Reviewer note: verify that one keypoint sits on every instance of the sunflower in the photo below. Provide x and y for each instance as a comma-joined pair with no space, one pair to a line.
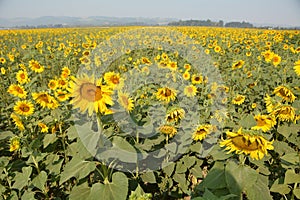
45,100
90,95
172,66
175,114
239,99
217,49
284,93
53,84
297,67
44,127
201,132
276,60
237,65
17,90
17,122
3,71
24,108
65,72
112,79
22,77
36,66
2,60
270,103
14,144
241,142
146,61
284,113
268,55
168,130
187,67
62,83
190,91
264,122
197,79
186,75
166,94
125,101
62,95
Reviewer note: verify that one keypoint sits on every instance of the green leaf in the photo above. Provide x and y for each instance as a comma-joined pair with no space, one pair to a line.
292,158
77,149
291,177
54,163
28,195
259,190
6,134
172,147
218,153
247,122
215,179
117,189
21,179
40,180
280,188
238,177
49,139
77,168
296,192
72,133
148,177
169,169
80,192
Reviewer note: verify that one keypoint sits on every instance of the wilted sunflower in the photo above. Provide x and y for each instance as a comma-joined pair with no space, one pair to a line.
125,101
264,122
284,93
168,130
45,100
36,66
24,108
17,90
90,95
201,132
297,67
22,77
17,122
175,114
284,113
166,94
254,145
270,103
14,144
239,99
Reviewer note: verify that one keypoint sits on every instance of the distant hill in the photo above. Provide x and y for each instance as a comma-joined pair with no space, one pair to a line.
78,21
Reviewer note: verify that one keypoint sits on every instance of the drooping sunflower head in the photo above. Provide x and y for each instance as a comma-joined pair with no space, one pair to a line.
166,94
284,113
45,100
44,127
168,130
90,95
284,93
264,122
255,146
18,122
24,108
174,114
201,132
239,99
14,144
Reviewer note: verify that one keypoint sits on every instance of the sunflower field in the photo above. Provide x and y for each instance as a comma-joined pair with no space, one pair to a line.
146,113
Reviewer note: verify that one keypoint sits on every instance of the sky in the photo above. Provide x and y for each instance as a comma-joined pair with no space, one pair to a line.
278,12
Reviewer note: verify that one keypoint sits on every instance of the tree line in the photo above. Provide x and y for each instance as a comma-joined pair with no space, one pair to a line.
208,22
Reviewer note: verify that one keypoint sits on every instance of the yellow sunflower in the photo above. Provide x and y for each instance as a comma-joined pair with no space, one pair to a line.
241,142
17,90
172,66
3,71
297,67
24,108
270,103
113,79
125,101
268,55
45,100
2,60
17,122
284,113
190,91
14,144
276,60
237,65
197,79
22,77
145,60
186,75
239,99
175,114
166,94
187,67
90,95
264,122
201,132
62,95
44,127
53,84
168,130
36,66
284,93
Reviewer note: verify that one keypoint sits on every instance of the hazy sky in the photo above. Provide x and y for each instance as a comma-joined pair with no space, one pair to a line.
280,12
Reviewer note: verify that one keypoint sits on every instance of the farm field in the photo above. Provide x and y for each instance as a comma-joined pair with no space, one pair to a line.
150,113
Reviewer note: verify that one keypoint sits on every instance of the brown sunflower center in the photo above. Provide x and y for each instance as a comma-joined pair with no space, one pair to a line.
124,100
24,108
19,90
168,92
90,92
115,79
44,98
243,144
197,78
260,122
22,76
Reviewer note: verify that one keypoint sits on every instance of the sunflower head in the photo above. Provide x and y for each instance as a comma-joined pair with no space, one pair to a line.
174,114
239,99
14,144
251,144
24,108
284,93
168,130
125,101
202,131
166,94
